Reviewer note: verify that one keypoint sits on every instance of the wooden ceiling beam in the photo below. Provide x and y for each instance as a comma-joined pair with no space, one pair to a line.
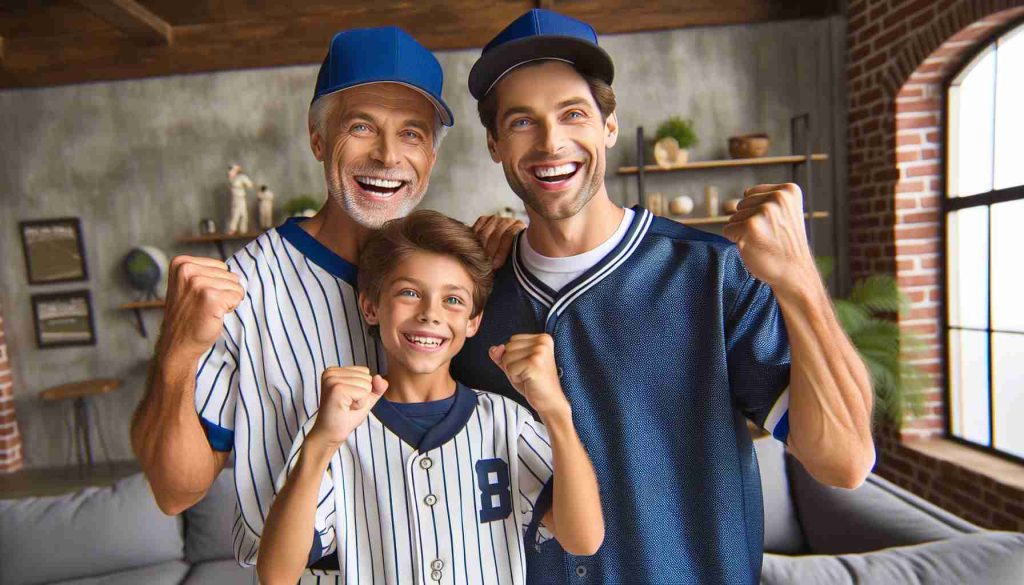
133,19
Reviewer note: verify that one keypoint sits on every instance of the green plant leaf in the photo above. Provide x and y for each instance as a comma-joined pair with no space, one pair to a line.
878,294
678,128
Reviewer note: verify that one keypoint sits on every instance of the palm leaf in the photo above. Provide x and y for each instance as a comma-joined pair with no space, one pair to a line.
878,294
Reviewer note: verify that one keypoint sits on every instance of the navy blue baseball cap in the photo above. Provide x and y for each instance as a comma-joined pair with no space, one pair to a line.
540,34
384,54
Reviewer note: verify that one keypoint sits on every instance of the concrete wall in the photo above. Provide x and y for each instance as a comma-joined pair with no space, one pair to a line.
140,162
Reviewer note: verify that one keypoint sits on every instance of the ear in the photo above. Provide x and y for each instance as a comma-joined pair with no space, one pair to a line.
611,130
492,147
474,325
316,142
369,309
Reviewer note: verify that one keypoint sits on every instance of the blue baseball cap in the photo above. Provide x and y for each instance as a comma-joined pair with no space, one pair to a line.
384,54
540,34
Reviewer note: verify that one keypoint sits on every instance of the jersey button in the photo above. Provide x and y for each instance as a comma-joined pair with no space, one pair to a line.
437,565
430,500
426,463
560,372
435,575
581,571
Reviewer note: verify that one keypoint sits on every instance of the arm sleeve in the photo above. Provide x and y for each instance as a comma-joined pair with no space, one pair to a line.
217,385
324,541
758,354
536,477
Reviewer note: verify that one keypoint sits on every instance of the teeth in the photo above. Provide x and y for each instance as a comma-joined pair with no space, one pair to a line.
425,341
374,181
544,172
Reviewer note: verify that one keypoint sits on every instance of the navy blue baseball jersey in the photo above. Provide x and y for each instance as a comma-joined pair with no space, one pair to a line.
665,348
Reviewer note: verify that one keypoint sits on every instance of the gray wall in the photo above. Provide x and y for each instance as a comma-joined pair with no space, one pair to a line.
140,162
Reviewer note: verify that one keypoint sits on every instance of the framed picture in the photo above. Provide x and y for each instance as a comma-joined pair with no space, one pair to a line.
63,319
53,250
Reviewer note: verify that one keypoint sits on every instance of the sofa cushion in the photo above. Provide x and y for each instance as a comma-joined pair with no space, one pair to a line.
208,524
874,516
782,532
94,531
169,573
220,573
993,558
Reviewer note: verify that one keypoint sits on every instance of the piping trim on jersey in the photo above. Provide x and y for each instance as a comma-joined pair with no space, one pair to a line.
558,301
311,248
441,433
777,421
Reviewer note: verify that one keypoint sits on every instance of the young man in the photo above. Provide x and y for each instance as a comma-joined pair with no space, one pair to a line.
243,343
413,477
667,339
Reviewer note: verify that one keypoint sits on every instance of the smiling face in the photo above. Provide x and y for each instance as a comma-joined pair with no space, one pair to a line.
424,311
376,143
551,142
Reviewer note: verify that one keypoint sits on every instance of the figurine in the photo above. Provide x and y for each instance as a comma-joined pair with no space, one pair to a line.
239,220
265,199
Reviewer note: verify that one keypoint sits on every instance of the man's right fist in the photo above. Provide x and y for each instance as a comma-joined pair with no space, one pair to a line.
346,397
200,291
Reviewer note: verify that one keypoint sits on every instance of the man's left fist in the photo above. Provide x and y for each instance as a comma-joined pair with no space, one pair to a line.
768,229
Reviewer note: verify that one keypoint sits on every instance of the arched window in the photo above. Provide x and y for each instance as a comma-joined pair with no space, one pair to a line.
984,212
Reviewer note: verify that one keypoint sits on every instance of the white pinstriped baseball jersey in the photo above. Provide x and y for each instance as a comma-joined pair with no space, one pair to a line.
260,382
457,503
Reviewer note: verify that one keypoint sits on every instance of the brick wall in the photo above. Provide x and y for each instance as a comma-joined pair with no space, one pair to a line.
901,53
10,439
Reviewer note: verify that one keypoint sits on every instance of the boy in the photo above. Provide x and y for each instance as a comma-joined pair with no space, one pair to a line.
434,483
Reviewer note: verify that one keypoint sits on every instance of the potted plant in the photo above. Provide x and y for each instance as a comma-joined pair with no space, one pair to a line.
302,206
672,142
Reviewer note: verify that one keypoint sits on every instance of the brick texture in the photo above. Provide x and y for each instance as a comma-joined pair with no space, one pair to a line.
901,55
10,438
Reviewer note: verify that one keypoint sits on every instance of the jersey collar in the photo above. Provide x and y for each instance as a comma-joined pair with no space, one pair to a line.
441,433
318,253
557,301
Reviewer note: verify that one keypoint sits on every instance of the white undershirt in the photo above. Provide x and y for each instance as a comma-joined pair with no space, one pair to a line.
558,272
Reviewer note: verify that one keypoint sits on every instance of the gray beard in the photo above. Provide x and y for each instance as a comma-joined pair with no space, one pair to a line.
367,215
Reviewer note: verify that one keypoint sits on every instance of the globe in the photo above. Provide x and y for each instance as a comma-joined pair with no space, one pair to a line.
146,270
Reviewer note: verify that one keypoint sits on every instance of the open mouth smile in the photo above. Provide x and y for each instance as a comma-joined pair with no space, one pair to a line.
377,187
424,342
555,177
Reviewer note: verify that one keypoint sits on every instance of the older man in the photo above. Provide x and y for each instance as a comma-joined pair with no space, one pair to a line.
667,339
244,343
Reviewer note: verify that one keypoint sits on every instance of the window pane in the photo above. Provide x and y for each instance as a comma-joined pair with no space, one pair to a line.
971,111
968,383
967,255
1008,379
1009,114
1007,273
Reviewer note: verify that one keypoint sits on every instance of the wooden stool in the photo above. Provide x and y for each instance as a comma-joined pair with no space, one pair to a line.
78,392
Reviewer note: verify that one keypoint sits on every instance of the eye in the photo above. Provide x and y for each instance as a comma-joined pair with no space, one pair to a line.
411,135
520,123
454,300
575,115
408,292
359,128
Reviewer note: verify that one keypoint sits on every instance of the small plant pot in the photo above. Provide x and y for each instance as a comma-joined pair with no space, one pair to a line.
748,146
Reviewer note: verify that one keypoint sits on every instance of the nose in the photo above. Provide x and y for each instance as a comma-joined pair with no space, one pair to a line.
385,150
553,138
428,312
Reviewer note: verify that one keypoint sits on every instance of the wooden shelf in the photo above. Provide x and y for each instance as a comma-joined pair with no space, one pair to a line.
721,219
214,238
158,304
720,164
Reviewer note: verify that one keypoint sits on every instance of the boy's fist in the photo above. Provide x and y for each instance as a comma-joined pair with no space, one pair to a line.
346,397
529,362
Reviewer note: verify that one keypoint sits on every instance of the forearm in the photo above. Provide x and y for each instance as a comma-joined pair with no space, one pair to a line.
168,438
575,518
288,531
830,398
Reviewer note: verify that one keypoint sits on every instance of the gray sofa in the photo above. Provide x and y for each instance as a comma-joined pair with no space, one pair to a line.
117,536
877,533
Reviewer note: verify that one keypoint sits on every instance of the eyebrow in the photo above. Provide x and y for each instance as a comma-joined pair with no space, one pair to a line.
413,281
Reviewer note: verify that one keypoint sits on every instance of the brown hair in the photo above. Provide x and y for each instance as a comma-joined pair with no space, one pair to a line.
424,231
603,94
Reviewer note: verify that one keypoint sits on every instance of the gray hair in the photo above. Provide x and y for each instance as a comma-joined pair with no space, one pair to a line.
318,111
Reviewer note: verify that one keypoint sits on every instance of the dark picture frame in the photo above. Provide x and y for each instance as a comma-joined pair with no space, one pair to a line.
63,319
53,250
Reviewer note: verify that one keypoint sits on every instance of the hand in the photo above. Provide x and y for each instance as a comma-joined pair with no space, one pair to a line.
768,229
346,397
200,291
496,235
528,360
